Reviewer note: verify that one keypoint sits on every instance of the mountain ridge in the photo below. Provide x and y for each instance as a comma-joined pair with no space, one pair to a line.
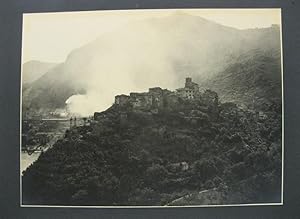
34,69
166,49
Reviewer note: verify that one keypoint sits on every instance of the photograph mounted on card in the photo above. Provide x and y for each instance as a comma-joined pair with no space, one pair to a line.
152,108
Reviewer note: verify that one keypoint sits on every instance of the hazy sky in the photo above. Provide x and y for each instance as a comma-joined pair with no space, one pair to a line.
50,37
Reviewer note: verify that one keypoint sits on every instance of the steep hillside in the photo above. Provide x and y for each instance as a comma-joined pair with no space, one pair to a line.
162,52
254,79
164,157
33,70
50,91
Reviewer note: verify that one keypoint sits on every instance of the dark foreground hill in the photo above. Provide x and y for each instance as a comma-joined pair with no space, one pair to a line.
164,157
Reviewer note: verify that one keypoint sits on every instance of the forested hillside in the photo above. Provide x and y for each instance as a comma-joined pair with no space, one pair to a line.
166,157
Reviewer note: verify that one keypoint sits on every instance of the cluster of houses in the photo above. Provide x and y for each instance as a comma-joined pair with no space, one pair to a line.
157,97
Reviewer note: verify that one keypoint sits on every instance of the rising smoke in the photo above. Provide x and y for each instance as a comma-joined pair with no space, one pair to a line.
131,60
149,53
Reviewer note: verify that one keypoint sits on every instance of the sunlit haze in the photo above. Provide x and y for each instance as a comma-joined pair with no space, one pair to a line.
50,37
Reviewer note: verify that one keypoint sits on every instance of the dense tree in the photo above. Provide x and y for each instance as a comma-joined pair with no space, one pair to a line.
152,159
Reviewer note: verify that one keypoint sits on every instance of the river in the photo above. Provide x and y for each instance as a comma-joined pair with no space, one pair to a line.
55,128
27,160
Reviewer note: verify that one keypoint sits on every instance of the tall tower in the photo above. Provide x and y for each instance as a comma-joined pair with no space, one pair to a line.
188,82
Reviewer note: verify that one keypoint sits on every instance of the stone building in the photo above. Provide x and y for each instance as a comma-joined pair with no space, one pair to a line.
157,98
191,85
141,100
121,99
180,166
190,90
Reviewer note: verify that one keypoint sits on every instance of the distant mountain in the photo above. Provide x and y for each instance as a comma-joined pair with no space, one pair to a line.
50,91
163,51
254,79
32,70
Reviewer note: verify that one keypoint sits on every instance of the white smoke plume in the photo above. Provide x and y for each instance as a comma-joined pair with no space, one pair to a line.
131,60
149,53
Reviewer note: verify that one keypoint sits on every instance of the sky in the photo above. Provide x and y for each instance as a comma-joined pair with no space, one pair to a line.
50,37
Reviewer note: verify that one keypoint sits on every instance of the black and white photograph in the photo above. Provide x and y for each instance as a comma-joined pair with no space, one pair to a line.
152,108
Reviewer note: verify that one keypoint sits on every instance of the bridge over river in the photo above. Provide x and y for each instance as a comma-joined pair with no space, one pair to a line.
40,134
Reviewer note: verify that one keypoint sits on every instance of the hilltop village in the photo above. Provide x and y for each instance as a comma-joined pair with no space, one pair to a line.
162,147
190,101
157,98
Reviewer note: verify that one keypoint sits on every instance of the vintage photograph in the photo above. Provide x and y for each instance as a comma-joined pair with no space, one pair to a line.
152,108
